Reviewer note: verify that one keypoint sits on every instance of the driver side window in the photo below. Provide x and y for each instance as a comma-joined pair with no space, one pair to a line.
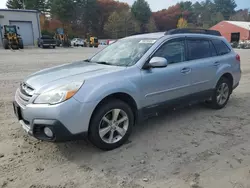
173,51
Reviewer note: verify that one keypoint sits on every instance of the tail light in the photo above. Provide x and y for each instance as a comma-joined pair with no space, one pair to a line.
238,57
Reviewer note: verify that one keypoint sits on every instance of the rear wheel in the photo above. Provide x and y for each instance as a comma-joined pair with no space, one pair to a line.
111,125
20,43
221,94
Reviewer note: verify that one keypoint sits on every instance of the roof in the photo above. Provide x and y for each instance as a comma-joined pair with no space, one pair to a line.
18,10
245,25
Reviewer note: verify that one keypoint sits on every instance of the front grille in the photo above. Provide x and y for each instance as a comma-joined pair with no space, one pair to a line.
24,94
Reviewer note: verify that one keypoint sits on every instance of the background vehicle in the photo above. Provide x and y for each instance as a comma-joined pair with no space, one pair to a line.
91,41
11,39
46,41
77,42
132,79
62,37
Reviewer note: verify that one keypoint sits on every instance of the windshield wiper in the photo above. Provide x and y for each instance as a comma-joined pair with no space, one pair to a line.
104,63
87,60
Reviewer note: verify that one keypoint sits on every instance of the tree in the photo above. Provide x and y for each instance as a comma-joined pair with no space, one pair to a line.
62,9
182,23
226,7
167,19
40,5
121,24
151,26
15,4
241,15
106,8
142,13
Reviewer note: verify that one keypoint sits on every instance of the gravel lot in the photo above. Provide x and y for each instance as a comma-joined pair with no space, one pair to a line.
191,147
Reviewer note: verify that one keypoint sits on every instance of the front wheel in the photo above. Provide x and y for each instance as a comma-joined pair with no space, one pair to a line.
111,125
221,94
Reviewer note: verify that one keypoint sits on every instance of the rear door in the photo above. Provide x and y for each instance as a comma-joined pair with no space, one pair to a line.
204,63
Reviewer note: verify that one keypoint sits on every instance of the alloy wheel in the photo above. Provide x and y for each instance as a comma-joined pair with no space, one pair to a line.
222,93
113,126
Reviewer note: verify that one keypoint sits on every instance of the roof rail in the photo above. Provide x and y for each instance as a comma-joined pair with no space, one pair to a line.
194,30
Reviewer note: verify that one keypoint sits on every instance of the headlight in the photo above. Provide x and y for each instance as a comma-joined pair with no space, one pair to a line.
59,94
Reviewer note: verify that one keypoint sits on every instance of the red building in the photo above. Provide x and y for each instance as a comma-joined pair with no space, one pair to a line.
233,30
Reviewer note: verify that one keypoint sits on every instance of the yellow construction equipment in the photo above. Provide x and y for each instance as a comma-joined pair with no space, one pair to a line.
62,38
91,41
11,39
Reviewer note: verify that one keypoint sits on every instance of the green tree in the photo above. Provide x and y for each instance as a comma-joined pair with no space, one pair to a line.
121,24
62,9
85,16
142,13
112,27
14,4
40,5
226,7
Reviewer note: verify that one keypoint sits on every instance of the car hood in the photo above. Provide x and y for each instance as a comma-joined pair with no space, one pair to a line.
77,71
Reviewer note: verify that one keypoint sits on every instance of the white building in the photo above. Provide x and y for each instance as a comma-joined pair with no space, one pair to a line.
28,22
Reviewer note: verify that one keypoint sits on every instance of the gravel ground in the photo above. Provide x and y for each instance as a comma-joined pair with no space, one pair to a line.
191,147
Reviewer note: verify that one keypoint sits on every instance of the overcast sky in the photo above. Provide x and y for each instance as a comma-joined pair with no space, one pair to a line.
161,4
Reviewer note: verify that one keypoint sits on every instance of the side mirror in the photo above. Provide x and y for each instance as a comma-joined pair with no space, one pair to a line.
18,27
158,62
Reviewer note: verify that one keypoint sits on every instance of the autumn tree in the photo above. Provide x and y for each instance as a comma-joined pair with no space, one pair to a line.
167,19
182,23
142,13
106,8
151,26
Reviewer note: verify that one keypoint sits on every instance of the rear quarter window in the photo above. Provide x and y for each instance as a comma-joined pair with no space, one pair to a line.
221,47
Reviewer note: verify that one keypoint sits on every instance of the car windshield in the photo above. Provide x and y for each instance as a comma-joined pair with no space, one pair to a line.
124,52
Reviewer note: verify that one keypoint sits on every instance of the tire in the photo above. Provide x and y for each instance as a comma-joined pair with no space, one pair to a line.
20,44
108,110
6,44
224,86
54,47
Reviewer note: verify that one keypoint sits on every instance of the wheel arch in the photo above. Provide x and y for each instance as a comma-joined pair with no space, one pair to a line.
228,76
125,97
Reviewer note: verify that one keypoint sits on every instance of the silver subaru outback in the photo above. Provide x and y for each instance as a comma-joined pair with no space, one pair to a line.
104,96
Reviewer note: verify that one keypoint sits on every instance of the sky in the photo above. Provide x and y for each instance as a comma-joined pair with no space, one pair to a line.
161,4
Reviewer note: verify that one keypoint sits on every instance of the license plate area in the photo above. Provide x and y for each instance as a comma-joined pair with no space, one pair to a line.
17,111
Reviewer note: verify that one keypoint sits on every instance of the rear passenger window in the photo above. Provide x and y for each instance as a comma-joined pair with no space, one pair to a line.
221,47
198,49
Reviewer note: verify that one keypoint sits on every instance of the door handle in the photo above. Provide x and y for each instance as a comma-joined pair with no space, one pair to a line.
185,70
216,64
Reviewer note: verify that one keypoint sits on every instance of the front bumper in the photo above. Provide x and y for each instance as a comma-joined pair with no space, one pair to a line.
68,120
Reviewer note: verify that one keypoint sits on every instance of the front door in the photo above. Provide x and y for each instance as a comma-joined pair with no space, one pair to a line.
164,84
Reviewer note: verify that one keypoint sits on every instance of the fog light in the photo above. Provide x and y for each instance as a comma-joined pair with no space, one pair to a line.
48,132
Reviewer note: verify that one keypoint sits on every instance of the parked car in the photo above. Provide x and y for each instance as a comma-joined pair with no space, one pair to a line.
104,96
77,42
46,41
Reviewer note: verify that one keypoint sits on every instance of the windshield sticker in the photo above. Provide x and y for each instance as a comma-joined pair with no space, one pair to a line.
147,41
